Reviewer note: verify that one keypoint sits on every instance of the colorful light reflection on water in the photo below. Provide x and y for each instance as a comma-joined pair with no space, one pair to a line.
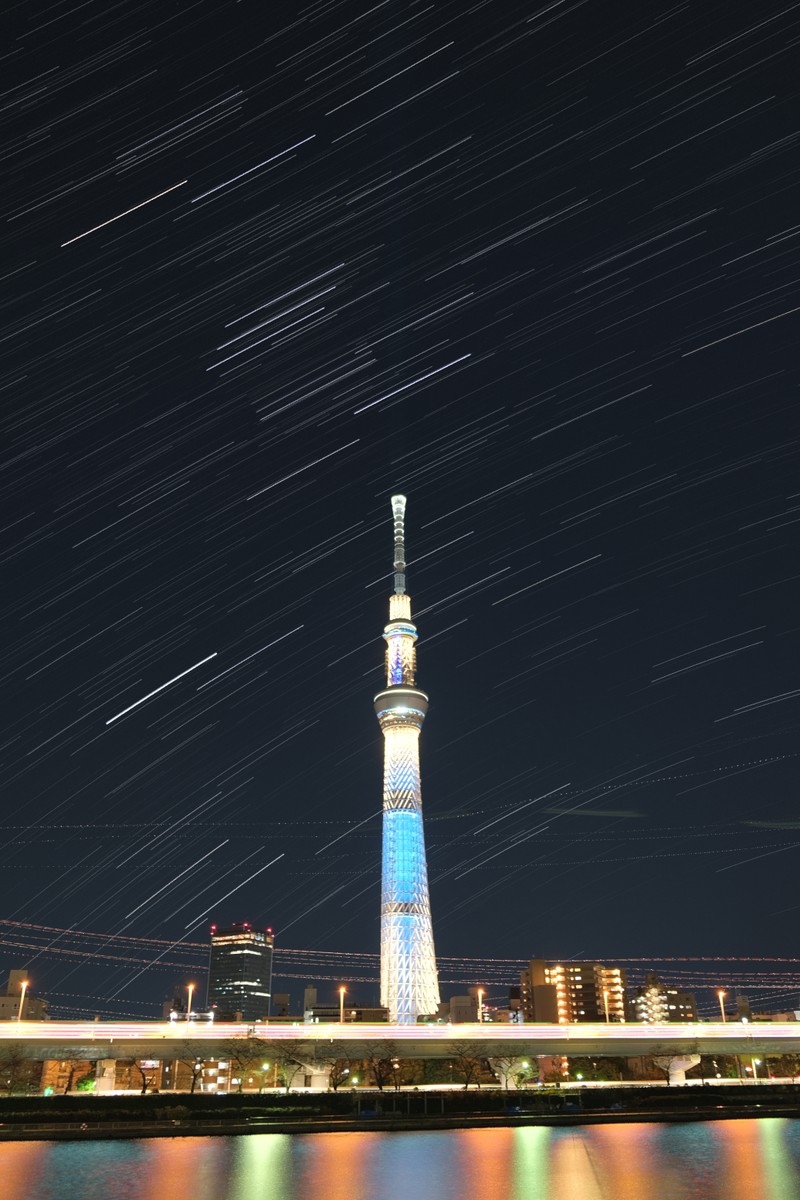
721,1160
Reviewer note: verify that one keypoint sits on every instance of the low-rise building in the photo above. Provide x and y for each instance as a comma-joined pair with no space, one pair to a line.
351,1014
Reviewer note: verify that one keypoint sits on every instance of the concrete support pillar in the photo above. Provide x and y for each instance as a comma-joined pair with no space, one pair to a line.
105,1074
318,1073
508,1071
677,1065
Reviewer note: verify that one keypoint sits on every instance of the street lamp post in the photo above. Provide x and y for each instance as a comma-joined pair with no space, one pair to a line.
342,991
23,988
190,990
480,1005
605,1005
721,997
755,1062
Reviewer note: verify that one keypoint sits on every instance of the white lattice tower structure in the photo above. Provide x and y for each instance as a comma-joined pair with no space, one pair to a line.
409,984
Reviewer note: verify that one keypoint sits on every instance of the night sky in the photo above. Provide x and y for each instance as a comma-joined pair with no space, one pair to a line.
535,267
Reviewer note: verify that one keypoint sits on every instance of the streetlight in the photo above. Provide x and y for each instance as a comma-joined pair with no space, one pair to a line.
721,997
480,1005
190,990
605,1005
23,987
342,991
756,1063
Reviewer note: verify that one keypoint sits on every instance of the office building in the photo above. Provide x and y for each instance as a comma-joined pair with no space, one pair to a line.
240,972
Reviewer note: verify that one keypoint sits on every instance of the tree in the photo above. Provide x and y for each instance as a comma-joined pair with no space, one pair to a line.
379,1060
401,1073
143,1077
195,1068
244,1052
77,1071
186,1056
465,1065
600,1069
290,1059
16,1069
289,1056
427,1070
720,1066
146,1075
784,1065
339,1069
509,1069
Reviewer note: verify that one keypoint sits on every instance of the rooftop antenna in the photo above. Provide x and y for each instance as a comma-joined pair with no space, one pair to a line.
399,511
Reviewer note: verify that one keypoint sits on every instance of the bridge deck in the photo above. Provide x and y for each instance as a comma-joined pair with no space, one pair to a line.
67,1039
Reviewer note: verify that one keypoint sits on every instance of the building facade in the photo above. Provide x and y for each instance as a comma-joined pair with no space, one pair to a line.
567,992
347,1013
656,1004
16,1001
350,1014
240,972
409,983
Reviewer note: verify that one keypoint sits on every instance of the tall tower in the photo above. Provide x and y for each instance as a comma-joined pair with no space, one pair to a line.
409,985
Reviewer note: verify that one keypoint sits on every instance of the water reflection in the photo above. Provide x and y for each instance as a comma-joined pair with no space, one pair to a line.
780,1169
260,1166
606,1164
723,1160
532,1173
23,1163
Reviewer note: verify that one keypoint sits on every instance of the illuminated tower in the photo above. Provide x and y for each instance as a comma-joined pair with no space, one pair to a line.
409,985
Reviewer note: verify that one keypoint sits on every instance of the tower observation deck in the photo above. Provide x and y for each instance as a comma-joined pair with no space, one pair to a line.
409,984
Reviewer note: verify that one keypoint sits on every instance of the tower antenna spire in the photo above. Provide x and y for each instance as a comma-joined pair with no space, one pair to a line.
399,512
409,983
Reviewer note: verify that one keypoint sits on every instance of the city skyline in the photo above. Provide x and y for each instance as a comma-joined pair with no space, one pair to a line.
266,269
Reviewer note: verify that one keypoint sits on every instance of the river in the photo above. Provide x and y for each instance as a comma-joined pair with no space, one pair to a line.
718,1160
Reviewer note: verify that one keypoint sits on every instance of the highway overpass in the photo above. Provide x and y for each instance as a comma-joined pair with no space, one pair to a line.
168,1040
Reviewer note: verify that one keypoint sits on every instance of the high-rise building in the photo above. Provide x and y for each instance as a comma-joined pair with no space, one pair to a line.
240,972
16,1001
567,992
538,998
656,1004
409,984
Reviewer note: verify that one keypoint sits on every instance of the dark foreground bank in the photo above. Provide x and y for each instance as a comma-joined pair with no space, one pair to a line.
56,1118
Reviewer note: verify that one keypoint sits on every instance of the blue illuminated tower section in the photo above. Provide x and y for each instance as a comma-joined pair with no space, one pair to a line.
409,984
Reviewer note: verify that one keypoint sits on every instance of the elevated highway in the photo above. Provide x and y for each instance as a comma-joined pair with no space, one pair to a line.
167,1040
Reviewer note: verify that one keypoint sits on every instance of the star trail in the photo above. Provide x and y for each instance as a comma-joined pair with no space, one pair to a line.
533,266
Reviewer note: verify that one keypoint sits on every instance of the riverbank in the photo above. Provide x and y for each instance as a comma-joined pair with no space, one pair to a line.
67,1118
94,1131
